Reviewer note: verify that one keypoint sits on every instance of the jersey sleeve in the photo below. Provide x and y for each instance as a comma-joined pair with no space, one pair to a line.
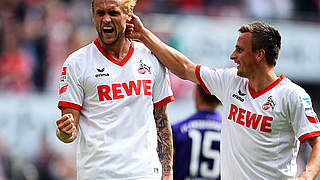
162,93
70,90
215,81
303,118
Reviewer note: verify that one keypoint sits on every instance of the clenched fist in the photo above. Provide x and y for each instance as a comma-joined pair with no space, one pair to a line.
67,130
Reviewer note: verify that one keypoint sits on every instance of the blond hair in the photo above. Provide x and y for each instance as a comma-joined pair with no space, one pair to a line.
128,5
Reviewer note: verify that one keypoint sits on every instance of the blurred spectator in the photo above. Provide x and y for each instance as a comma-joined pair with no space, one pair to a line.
5,161
307,10
181,88
192,6
44,161
34,41
35,34
270,8
16,63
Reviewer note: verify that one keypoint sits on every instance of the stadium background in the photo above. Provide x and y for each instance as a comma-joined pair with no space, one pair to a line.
37,35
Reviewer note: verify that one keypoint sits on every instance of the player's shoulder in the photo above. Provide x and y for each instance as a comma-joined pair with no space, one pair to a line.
233,78
194,117
146,55
290,88
229,72
141,49
139,46
178,126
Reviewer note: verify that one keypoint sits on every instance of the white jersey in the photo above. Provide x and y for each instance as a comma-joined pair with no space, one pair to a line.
117,132
261,131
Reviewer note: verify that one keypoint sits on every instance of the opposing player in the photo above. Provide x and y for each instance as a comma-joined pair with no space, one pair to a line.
113,96
265,116
196,141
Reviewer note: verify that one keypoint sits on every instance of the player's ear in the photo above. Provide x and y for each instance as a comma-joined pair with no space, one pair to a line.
260,55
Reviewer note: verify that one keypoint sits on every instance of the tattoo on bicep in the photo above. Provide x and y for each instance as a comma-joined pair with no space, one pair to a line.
165,147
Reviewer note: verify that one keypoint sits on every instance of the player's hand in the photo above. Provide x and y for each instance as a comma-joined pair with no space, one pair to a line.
135,28
66,128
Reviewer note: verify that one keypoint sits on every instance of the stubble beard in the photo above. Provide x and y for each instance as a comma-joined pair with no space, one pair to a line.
241,73
118,36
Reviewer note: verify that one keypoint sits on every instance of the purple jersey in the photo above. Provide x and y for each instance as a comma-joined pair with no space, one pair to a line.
196,142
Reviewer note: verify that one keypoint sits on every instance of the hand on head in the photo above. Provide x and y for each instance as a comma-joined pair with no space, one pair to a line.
135,28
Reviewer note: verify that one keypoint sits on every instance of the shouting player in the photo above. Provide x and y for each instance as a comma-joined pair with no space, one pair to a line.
265,116
113,96
196,141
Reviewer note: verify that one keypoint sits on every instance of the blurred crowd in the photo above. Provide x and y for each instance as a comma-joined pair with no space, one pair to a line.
37,36
45,165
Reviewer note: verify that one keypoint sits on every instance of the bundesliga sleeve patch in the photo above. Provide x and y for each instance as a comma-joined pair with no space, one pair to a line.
308,110
63,74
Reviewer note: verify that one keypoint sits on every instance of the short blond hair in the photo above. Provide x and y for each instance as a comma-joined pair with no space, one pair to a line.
128,5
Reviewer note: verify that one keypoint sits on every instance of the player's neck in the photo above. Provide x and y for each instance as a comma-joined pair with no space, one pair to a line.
205,107
262,79
118,50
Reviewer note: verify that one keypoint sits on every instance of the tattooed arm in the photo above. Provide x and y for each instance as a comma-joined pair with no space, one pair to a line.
165,147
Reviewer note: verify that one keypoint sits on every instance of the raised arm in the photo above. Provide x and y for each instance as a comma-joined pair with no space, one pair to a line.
175,61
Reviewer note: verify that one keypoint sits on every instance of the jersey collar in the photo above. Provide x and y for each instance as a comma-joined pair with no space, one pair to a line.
266,89
109,57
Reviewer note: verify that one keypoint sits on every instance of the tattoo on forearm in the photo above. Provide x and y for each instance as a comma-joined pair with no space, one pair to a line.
165,147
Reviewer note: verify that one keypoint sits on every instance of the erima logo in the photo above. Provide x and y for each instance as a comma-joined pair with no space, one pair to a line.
100,70
239,97
241,93
101,74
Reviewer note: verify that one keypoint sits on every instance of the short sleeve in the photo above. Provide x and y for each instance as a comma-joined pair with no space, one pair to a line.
70,90
162,93
303,118
215,81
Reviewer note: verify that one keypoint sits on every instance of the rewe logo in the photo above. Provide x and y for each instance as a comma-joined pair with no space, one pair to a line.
249,119
122,90
101,70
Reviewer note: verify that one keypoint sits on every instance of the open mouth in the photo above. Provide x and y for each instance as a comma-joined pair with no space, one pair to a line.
108,29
